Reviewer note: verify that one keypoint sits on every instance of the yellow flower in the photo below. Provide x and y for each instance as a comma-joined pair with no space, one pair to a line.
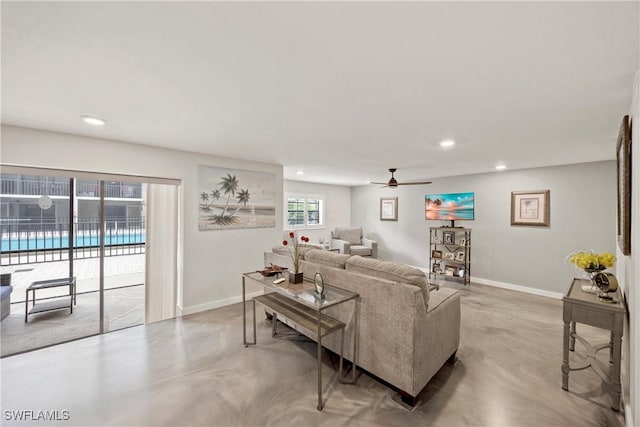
590,260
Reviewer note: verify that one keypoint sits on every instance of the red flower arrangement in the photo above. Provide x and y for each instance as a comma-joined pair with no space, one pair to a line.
295,255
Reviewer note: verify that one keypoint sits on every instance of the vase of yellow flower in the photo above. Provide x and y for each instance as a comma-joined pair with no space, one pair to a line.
592,264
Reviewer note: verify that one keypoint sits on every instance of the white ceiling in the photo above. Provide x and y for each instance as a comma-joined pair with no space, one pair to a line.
342,91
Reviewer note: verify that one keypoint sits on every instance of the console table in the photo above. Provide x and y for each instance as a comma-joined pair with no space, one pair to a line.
300,305
582,307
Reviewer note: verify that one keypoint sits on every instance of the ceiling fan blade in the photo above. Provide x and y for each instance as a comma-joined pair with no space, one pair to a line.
381,183
415,183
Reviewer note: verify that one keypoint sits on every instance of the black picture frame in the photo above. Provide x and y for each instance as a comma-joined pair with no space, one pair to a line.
449,237
623,165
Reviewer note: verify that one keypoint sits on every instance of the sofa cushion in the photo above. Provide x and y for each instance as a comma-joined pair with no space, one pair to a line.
360,250
5,291
390,271
351,235
288,250
331,259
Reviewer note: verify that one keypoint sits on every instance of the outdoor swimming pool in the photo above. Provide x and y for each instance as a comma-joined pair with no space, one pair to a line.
62,242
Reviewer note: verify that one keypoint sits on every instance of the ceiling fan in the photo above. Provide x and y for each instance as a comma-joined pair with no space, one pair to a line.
394,183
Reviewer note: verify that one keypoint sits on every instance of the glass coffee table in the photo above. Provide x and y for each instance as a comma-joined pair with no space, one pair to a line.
300,304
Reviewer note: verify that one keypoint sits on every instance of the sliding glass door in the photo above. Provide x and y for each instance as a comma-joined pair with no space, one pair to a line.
73,250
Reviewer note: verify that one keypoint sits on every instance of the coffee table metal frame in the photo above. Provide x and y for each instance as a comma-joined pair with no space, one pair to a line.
304,295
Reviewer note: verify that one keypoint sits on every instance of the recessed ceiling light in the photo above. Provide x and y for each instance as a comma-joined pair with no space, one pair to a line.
501,167
300,173
95,121
447,143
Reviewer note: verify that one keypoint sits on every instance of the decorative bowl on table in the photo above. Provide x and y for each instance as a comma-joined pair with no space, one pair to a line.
272,270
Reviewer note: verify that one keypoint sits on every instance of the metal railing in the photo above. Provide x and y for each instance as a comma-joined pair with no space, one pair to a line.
19,186
28,242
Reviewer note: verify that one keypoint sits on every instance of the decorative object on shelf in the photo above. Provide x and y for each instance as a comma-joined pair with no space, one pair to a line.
295,276
450,270
449,237
388,208
461,273
234,198
592,264
318,281
460,256
461,242
530,207
623,161
436,269
436,254
449,256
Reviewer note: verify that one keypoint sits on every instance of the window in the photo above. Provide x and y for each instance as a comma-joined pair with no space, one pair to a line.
305,211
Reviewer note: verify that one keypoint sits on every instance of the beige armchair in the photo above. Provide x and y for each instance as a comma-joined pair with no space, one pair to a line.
349,240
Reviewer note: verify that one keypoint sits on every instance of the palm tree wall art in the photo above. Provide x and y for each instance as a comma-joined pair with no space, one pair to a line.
235,199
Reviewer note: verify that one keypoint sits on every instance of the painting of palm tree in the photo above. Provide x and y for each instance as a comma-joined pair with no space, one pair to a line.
235,199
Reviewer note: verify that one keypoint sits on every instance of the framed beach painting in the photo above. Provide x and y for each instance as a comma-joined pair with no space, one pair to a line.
234,198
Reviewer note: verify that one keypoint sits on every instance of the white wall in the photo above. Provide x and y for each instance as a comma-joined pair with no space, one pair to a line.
627,272
337,208
583,217
213,260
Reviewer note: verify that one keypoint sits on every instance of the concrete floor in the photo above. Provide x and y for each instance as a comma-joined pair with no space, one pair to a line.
195,371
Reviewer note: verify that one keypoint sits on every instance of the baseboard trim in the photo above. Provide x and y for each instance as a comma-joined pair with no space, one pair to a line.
509,286
216,304
518,288
628,415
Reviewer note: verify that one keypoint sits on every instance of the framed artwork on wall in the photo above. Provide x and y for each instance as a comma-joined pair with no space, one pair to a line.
388,208
234,198
623,162
530,207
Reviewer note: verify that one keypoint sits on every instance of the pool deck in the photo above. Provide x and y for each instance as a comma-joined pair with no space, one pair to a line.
121,270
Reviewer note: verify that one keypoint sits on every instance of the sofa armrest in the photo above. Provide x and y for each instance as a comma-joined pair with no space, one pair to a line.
343,245
373,245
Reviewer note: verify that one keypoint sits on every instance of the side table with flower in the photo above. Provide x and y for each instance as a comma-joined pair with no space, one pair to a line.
296,276
593,264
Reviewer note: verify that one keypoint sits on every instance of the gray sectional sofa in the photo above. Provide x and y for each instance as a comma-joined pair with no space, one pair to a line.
405,331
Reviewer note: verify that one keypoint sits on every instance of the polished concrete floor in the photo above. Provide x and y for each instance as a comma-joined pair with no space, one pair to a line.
195,371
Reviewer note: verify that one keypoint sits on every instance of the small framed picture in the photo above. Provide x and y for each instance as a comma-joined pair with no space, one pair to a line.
530,207
460,256
388,208
449,237
436,269
461,242
450,270
449,255
436,254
